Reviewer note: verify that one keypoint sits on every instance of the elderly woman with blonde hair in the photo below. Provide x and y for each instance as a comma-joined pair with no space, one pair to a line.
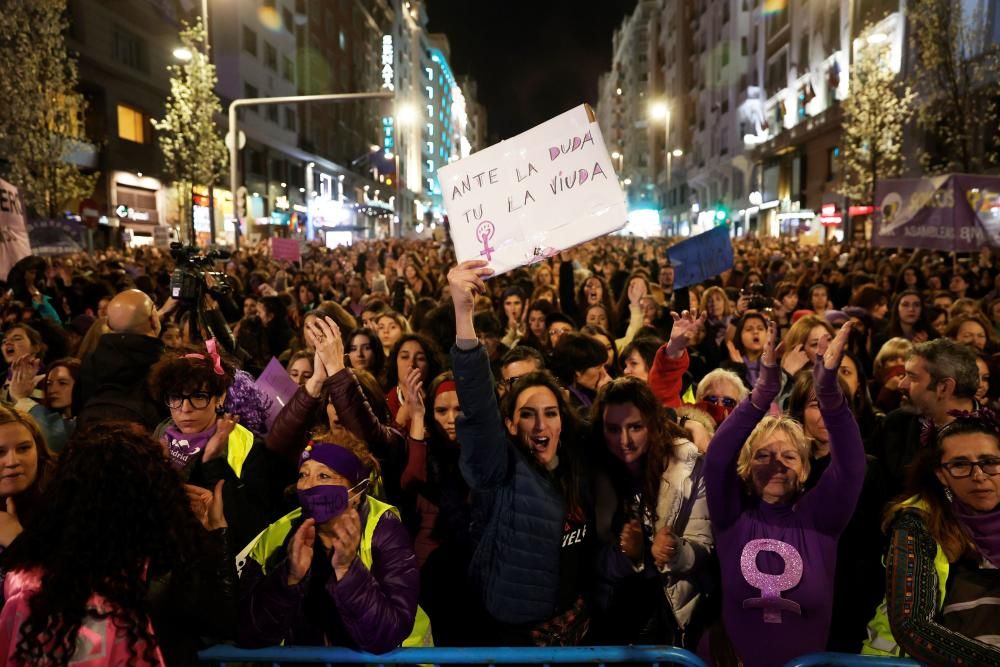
777,543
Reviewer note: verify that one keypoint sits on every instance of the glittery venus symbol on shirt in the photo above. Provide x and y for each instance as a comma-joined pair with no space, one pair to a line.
484,232
771,585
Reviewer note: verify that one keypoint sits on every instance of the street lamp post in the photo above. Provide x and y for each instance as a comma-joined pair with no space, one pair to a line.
291,99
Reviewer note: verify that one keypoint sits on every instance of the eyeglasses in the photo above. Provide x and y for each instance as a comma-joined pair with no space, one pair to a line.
198,400
724,400
960,469
509,383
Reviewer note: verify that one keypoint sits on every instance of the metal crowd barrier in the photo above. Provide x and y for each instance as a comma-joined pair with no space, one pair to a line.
597,655
849,660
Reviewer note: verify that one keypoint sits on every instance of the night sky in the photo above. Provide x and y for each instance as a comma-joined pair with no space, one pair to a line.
532,59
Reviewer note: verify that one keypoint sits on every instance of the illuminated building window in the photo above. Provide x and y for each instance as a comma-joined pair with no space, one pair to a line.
430,73
131,124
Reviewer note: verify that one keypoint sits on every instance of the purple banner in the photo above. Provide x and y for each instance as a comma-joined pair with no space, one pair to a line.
954,212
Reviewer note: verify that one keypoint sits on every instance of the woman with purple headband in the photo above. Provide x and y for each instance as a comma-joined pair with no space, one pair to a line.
338,571
777,545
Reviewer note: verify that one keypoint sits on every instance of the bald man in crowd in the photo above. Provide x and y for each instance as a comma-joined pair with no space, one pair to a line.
112,383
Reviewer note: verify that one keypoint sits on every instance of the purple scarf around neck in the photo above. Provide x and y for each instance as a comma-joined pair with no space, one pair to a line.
183,447
983,528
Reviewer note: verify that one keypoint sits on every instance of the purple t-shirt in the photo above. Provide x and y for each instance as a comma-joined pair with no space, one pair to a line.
778,561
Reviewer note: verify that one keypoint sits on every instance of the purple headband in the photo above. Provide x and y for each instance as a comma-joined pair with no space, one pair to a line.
336,458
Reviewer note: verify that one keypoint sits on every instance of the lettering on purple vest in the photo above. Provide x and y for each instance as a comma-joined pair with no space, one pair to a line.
771,585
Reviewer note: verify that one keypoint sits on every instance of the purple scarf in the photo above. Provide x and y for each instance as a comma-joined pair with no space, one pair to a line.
983,528
184,447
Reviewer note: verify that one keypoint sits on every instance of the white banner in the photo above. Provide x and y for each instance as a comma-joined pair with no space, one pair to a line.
529,197
14,243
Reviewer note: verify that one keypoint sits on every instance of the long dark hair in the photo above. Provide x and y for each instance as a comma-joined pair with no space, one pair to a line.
27,501
661,438
573,479
378,353
114,517
896,328
430,349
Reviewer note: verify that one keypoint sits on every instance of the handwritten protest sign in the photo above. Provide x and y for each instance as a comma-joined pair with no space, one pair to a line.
275,383
529,197
701,257
287,249
14,243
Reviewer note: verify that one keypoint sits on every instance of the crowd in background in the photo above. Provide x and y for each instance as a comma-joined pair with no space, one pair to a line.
800,454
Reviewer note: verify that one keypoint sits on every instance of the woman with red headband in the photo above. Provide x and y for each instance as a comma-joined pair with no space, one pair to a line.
338,571
207,445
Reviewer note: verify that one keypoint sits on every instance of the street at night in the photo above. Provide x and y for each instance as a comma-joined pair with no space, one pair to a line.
434,332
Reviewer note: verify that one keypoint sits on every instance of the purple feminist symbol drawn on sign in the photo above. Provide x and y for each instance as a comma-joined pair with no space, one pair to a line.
484,232
771,585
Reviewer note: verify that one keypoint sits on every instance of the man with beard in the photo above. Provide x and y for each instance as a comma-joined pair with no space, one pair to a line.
941,377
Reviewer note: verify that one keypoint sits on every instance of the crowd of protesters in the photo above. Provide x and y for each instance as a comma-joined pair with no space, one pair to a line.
798,455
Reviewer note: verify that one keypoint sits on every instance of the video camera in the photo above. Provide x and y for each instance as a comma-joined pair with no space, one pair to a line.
188,281
756,299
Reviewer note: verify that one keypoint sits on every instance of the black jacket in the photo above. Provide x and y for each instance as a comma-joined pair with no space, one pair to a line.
895,445
112,382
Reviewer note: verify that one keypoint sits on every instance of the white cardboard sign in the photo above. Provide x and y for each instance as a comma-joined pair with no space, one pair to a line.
532,196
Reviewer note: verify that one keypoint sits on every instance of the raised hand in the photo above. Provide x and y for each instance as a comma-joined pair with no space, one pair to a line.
329,344
413,393
636,290
794,360
23,377
465,282
686,327
300,552
838,346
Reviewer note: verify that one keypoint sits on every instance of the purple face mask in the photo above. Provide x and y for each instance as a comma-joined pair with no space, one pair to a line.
327,501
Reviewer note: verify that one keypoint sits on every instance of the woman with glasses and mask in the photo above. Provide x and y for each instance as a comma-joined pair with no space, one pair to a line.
208,445
944,553
338,571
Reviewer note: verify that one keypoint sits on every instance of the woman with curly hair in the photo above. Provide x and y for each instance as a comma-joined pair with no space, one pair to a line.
338,571
116,563
207,444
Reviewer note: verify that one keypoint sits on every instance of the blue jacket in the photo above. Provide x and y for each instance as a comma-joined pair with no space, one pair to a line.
516,561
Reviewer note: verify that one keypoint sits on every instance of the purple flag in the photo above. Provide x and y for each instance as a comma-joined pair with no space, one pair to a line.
955,212
278,385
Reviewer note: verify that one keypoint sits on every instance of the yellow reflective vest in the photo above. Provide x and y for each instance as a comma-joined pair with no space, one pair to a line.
274,536
880,639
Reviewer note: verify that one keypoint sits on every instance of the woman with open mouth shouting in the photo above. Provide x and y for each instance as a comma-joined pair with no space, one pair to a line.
528,471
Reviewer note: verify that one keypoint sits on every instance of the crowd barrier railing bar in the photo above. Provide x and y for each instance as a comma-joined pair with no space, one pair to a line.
597,655
849,660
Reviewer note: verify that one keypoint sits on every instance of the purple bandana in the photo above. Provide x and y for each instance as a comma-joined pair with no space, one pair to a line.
337,458
983,528
183,447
